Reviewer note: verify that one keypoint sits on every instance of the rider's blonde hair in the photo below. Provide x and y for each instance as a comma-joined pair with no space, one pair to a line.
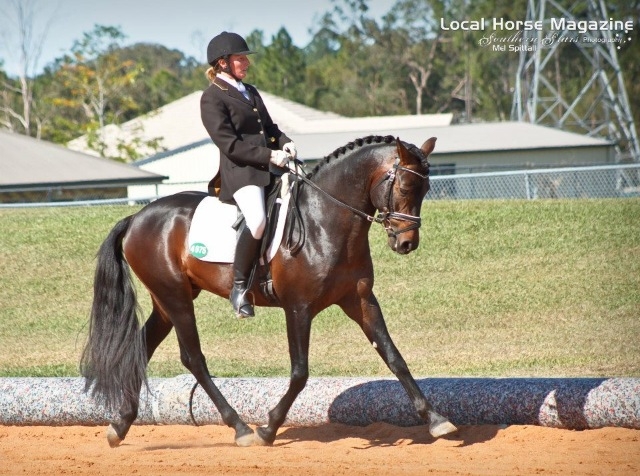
213,71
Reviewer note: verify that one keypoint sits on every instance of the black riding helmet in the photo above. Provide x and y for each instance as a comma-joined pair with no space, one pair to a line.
225,44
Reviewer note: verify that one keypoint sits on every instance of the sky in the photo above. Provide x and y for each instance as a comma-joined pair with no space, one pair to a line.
186,25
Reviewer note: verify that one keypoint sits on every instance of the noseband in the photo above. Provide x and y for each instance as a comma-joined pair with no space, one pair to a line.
387,213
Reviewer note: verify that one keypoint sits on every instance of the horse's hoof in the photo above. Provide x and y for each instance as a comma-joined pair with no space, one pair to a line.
244,436
260,439
442,428
112,437
245,440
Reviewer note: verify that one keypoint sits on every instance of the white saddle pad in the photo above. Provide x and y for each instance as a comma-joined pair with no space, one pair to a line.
211,236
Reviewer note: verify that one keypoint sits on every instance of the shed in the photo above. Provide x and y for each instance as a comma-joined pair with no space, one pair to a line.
32,170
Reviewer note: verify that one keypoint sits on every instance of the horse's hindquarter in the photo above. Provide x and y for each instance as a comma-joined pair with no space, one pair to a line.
155,245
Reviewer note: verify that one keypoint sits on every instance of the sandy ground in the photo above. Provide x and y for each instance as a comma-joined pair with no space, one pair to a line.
333,449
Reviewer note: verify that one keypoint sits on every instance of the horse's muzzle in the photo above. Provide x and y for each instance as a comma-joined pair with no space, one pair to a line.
404,244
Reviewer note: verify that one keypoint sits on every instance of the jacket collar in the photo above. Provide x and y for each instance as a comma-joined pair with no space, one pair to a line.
222,84
232,91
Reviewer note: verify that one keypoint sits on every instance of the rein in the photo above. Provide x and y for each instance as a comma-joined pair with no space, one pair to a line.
385,215
360,213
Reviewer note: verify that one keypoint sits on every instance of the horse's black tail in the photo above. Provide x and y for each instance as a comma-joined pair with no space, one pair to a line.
114,359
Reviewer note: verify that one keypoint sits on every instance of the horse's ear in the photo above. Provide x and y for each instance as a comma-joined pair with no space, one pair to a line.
428,146
403,152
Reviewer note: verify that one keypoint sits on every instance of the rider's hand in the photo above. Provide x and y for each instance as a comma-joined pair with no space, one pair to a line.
290,148
279,158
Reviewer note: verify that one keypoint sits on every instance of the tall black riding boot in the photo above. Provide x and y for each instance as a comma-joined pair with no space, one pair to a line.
246,255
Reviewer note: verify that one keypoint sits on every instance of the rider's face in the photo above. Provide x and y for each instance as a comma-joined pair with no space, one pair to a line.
239,65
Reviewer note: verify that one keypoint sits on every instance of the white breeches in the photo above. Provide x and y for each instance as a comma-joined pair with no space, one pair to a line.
250,200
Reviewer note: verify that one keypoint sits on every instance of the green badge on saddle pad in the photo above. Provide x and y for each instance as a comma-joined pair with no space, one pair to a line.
198,250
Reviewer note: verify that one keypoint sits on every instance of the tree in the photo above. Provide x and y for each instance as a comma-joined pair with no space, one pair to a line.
18,99
164,75
96,77
354,68
414,38
354,65
98,82
279,68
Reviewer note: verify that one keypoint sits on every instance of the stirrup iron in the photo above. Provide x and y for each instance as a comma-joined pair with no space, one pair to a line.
239,300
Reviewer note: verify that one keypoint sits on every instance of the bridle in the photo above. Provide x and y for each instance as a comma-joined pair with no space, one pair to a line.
387,213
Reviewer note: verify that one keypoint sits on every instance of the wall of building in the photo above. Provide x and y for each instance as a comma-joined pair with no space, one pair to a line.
473,162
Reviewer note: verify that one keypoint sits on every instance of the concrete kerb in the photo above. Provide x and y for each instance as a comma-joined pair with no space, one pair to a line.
572,403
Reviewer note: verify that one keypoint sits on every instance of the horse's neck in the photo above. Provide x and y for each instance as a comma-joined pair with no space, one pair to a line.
335,230
348,179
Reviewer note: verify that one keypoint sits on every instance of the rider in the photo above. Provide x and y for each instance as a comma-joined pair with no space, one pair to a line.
240,126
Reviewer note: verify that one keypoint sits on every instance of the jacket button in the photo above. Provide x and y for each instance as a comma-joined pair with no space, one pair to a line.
261,132
255,109
259,120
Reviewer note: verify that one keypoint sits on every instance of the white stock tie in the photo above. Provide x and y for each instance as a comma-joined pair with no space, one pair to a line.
243,89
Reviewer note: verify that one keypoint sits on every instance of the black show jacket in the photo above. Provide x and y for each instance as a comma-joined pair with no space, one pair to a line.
244,133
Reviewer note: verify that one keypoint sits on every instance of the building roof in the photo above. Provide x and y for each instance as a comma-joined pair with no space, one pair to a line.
480,138
455,139
179,124
318,133
295,119
503,136
27,163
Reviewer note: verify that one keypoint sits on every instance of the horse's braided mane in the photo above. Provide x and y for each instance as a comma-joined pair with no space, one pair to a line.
340,151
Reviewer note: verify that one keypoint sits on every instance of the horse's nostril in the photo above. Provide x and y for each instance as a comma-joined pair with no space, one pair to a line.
405,247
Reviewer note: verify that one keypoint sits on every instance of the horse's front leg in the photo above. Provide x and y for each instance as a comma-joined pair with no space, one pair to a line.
363,308
298,331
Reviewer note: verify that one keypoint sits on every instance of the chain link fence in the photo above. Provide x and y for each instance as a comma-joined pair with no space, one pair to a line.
607,181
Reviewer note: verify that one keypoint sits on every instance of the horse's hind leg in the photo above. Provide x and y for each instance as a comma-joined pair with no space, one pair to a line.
184,321
365,310
155,331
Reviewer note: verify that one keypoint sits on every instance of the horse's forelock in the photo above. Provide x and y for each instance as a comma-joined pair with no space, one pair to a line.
417,151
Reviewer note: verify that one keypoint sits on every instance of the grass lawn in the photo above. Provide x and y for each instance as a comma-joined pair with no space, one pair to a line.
497,288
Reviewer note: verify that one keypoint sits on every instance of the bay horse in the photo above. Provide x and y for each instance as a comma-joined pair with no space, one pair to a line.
333,265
